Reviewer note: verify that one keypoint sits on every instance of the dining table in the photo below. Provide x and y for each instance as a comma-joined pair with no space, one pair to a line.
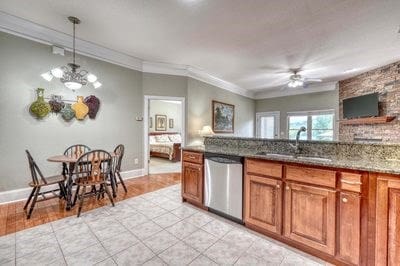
70,161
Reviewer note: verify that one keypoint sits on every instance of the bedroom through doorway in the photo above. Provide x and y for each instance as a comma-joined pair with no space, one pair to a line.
165,134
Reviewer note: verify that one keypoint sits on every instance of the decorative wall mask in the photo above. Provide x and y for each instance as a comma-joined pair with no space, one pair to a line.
94,104
81,109
56,103
40,108
67,113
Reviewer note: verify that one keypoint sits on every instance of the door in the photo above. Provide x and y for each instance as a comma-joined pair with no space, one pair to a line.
310,216
349,227
263,199
388,222
192,182
268,125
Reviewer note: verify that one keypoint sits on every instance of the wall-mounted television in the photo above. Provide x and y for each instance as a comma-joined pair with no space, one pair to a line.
361,106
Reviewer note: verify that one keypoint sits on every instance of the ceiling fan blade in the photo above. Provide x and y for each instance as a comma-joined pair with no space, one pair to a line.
284,87
312,80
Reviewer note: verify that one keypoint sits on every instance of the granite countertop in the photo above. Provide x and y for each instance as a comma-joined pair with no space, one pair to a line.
389,166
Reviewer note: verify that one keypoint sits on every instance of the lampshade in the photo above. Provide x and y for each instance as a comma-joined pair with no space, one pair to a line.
206,131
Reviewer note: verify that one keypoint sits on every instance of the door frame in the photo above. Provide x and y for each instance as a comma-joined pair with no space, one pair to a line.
147,98
276,114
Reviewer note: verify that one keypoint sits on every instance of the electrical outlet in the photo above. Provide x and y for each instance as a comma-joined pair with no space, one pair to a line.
136,161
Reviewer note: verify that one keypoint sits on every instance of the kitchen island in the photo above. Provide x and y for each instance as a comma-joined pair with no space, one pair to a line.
336,201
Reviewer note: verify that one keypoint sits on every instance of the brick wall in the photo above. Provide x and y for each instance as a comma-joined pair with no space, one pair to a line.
383,80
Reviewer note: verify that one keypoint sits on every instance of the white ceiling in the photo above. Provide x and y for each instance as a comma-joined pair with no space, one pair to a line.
244,42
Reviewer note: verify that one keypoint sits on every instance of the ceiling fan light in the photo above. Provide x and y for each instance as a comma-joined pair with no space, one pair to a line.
72,85
91,78
47,76
97,85
291,84
57,72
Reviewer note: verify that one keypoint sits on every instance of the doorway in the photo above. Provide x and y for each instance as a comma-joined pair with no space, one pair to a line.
267,125
164,133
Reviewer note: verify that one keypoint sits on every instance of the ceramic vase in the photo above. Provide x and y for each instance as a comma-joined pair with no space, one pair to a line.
40,108
81,109
56,103
67,113
94,104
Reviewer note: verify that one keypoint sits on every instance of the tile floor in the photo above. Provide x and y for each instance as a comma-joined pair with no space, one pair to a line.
152,229
161,165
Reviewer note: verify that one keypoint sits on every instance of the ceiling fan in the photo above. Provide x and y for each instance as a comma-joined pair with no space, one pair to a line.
297,80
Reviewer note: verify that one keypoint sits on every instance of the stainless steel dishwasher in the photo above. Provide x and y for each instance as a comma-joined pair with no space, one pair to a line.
223,193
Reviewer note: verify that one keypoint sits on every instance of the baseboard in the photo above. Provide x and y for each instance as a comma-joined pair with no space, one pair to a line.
23,193
133,173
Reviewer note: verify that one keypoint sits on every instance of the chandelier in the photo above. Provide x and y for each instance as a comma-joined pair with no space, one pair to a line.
70,75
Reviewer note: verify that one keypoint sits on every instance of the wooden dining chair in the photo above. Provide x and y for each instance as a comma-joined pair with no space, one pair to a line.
74,151
92,169
117,160
38,182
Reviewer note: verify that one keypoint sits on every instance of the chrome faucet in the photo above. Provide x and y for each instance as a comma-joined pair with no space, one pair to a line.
296,147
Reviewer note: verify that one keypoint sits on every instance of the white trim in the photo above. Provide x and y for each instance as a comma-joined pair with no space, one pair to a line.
146,105
35,32
23,193
277,117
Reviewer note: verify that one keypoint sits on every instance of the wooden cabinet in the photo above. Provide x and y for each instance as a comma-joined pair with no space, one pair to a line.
349,219
387,237
310,214
263,203
192,177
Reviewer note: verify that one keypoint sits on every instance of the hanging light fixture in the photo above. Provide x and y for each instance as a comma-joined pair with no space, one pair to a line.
70,75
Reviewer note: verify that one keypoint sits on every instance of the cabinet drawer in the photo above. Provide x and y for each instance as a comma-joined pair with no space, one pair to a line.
350,182
193,157
312,176
260,167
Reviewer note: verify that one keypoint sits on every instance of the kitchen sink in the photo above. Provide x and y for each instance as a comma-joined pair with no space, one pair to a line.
314,158
293,156
275,154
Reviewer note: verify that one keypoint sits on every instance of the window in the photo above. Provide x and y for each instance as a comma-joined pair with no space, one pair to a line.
319,124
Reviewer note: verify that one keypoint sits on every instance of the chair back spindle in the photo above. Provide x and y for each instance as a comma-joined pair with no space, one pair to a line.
76,150
97,170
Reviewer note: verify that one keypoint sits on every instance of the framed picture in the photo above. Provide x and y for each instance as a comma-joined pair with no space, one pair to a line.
223,117
161,122
171,123
150,122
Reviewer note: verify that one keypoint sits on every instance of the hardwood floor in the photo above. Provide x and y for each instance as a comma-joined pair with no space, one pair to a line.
13,217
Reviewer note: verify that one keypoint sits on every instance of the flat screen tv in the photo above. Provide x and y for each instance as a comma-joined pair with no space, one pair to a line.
361,106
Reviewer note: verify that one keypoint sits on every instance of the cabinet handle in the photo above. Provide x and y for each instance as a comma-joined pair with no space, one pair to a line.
278,186
351,182
191,157
287,187
344,200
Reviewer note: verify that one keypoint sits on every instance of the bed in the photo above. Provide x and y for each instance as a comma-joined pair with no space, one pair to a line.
165,145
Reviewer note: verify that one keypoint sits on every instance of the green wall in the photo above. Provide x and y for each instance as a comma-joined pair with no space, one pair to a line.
22,62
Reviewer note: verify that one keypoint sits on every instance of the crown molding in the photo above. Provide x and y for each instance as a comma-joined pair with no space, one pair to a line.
312,88
38,33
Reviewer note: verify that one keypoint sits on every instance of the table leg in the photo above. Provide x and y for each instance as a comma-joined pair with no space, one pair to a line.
69,186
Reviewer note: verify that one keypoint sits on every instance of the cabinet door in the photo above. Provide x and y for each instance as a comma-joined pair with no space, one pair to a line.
192,182
388,222
310,216
263,203
349,227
